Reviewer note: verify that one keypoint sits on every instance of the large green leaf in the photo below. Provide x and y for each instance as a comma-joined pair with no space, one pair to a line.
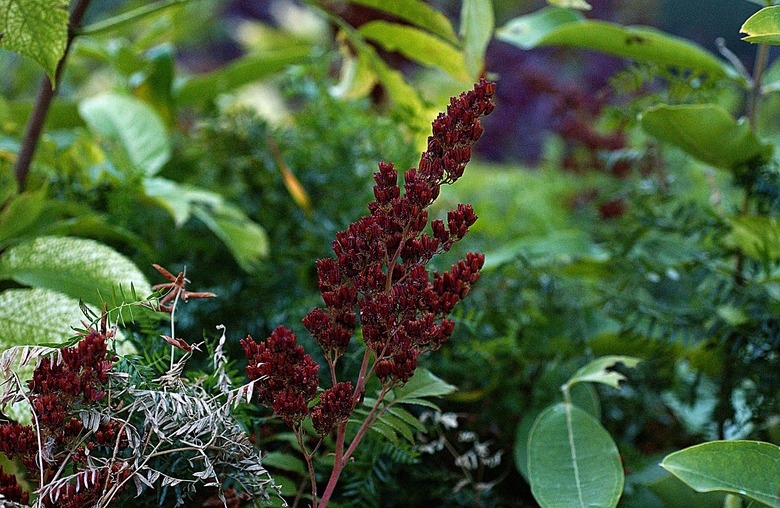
417,13
246,240
676,494
748,468
598,371
707,132
245,70
178,198
756,235
572,460
583,396
20,213
476,28
136,125
554,26
418,46
423,384
75,266
37,316
37,29
763,27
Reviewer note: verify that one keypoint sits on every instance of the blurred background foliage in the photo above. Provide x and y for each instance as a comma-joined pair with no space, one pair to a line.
264,121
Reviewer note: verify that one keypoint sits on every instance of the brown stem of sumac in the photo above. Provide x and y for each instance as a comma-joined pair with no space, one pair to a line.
32,132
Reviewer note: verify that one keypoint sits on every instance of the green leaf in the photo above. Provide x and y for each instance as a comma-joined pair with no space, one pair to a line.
748,468
553,26
20,213
597,371
572,460
136,125
74,266
407,417
757,236
423,384
245,70
676,494
763,27
476,28
418,46
583,396
398,425
37,29
285,462
246,240
37,316
417,13
178,198
707,132
573,4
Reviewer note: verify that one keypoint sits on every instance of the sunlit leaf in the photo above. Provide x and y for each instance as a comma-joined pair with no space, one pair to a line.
247,241
247,69
417,13
763,27
37,29
748,468
418,46
707,132
35,316
598,371
76,267
423,384
553,26
476,28
573,4
134,124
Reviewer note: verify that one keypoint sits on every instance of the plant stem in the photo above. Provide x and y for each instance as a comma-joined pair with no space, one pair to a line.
32,132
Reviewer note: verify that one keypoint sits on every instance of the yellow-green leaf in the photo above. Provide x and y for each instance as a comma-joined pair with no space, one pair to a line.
763,27
417,45
417,13
37,29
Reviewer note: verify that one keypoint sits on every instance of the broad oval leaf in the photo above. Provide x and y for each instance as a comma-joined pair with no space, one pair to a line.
748,468
37,316
136,125
246,240
553,26
763,27
253,67
423,384
583,396
37,29
572,460
417,13
597,371
477,23
418,46
83,269
707,132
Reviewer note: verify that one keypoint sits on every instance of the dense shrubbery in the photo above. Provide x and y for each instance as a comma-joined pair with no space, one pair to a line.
627,310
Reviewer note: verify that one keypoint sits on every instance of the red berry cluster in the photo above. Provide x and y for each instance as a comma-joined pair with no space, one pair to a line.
334,408
288,376
379,270
10,490
59,387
